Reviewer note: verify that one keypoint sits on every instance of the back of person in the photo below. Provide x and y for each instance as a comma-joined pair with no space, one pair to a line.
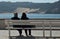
24,17
16,18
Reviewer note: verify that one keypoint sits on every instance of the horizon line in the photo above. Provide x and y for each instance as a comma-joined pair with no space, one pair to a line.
29,2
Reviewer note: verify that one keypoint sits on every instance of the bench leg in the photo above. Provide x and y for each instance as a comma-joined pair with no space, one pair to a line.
9,34
54,38
46,38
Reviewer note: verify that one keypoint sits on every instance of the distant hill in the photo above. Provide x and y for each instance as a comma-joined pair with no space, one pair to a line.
10,6
54,9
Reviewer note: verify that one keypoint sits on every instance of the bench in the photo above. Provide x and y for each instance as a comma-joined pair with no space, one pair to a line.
37,23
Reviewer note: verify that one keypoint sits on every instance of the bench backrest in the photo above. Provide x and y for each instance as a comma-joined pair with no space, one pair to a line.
2,23
34,22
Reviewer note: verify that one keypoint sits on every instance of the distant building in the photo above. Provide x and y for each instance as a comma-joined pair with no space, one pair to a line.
33,10
20,10
27,10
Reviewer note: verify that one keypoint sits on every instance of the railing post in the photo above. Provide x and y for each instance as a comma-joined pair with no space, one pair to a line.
9,31
43,32
50,30
43,29
6,22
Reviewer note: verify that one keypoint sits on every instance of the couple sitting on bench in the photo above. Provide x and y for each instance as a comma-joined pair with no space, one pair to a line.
24,17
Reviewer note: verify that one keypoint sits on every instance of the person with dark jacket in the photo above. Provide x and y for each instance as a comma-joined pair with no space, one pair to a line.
24,17
16,18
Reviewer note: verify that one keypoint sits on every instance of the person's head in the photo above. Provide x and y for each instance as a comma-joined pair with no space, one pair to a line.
15,14
24,15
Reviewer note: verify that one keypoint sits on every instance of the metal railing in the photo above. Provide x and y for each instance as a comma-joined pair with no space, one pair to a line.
42,23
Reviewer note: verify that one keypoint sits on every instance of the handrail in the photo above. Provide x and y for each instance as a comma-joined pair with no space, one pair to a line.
42,23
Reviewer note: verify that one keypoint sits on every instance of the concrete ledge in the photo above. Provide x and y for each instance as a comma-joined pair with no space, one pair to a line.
32,37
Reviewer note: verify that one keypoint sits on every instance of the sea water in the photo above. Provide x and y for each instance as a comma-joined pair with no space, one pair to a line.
9,15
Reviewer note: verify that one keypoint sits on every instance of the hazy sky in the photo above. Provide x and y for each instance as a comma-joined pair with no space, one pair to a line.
36,1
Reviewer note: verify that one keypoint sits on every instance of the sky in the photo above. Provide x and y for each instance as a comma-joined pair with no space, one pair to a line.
35,1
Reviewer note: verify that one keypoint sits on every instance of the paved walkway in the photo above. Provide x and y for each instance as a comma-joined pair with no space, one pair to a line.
4,33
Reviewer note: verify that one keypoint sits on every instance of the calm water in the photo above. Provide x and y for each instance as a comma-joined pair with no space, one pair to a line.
9,15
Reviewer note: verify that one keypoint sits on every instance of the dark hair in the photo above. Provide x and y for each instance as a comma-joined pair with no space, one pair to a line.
24,16
15,14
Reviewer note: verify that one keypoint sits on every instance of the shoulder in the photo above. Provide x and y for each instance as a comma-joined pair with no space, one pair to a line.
27,18
12,18
18,18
